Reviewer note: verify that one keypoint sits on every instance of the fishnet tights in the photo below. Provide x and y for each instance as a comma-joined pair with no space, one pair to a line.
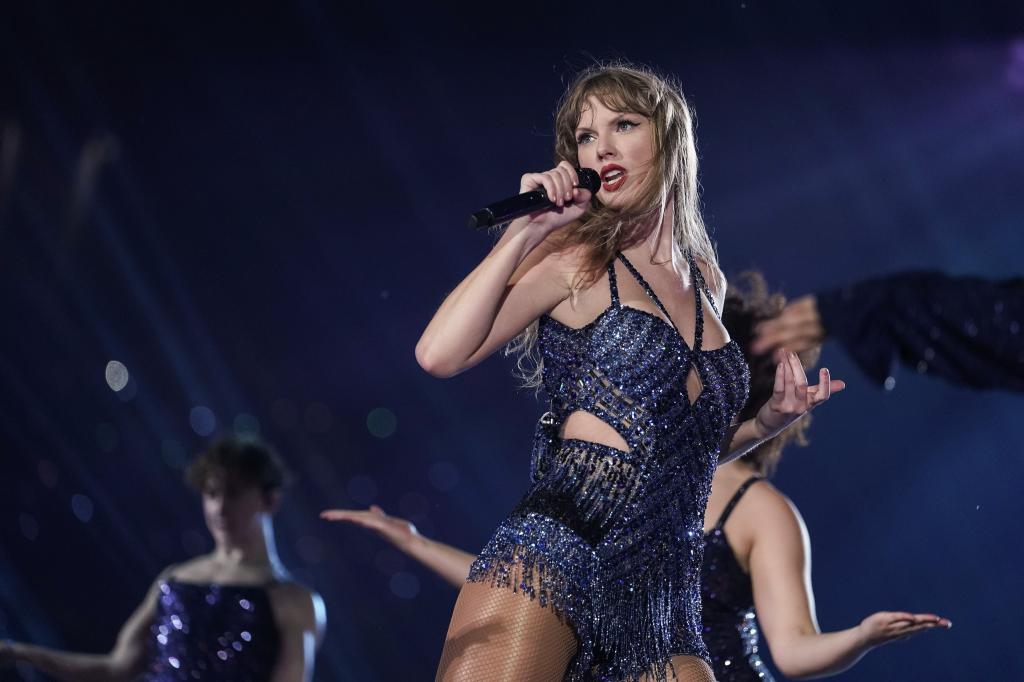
497,635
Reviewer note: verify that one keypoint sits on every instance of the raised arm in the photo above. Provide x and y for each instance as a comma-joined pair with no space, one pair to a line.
125,661
780,570
451,563
522,278
301,619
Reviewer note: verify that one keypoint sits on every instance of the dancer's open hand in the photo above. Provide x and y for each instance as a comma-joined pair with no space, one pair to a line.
890,626
395,530
798,327
792,398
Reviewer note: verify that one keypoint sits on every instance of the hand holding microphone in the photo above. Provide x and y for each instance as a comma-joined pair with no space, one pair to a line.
554,198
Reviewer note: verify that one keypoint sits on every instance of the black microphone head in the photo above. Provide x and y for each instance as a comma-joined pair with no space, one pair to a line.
589,179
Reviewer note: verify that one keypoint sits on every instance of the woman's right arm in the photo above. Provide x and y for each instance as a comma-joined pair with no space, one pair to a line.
451,563
124,662
514,285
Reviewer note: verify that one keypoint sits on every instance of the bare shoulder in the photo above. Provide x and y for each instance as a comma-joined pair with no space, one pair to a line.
553,257
297,605
771,510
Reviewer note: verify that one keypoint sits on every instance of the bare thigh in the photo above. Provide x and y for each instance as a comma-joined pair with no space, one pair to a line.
497,634
685,669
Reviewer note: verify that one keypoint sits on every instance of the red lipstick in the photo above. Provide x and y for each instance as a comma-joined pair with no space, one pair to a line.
612,177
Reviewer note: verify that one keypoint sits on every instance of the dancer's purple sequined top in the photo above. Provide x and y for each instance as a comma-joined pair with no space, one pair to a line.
730,622
212,632
613,540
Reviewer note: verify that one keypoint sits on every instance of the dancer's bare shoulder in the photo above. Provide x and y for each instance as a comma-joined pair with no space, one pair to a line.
297,607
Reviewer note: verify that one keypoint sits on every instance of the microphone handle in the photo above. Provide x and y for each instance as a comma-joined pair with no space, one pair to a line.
509,209
535,200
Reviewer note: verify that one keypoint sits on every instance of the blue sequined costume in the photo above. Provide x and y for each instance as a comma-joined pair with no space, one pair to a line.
212,632
730,622
612,540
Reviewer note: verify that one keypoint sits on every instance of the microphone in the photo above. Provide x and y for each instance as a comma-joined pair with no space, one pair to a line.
509,209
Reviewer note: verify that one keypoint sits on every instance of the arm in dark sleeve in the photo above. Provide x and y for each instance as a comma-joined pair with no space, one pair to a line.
966,330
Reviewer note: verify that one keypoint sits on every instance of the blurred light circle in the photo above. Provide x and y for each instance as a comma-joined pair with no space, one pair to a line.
202,420
81,507
173,453
405,585
381,422
443,475
28,525
362,489
116,375
106,437
246,425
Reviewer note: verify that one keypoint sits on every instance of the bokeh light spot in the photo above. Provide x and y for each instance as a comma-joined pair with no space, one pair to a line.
81,507
246,426
173,453
116,375
381,422
28,525
405,585
202,420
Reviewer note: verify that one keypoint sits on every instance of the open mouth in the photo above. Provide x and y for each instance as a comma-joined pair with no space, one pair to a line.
612,177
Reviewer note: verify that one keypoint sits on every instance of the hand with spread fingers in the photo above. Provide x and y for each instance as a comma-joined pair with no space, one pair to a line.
891,626
798,327
397,531
791,397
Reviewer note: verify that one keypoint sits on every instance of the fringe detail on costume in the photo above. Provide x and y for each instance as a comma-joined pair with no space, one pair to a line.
641,621
545,561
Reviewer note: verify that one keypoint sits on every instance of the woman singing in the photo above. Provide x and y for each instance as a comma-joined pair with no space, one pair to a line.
596,572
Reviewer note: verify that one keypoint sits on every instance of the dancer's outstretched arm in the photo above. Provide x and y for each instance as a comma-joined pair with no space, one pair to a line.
124,662
780,570
451,563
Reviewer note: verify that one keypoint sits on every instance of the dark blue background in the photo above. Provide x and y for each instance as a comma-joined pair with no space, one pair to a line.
257,211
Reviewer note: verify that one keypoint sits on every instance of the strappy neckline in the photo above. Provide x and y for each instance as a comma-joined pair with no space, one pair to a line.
695,280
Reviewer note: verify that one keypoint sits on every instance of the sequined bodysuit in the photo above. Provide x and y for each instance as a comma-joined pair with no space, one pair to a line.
212,632
730,622
612,539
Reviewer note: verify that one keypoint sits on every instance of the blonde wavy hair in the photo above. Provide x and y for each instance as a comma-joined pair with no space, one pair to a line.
603,230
